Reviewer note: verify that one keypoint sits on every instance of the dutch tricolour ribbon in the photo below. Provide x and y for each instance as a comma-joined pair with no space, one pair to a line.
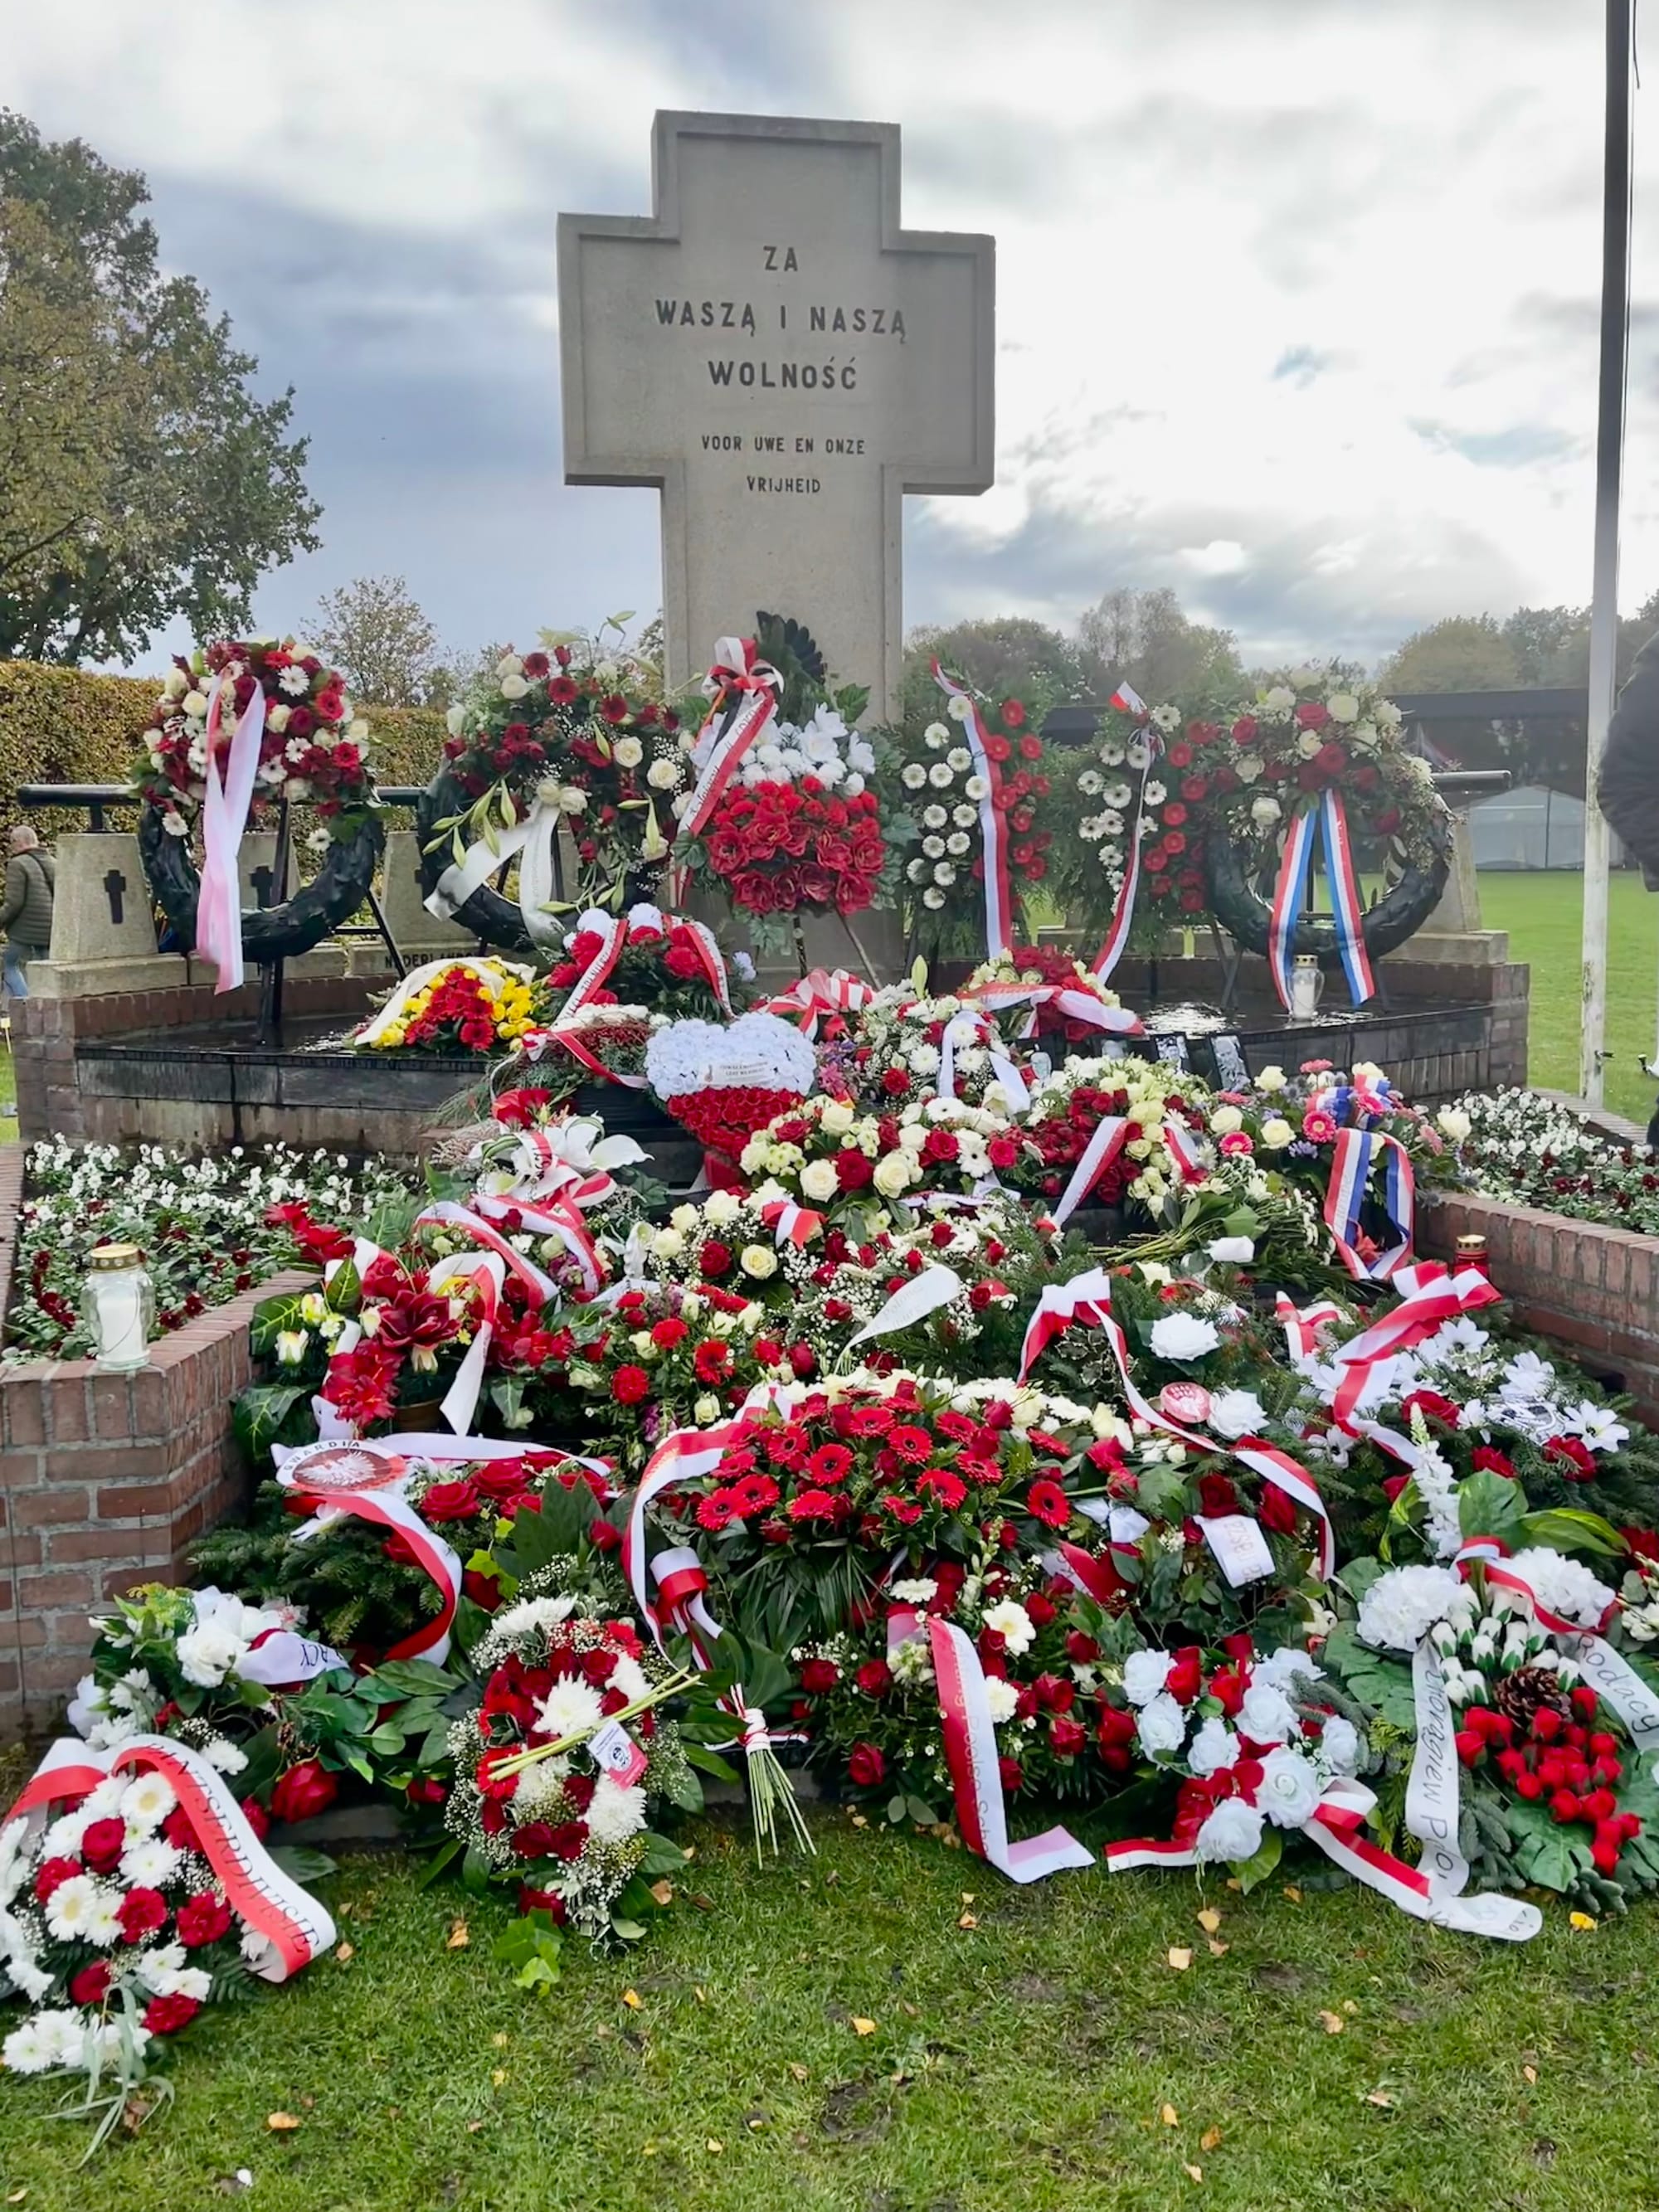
1126,701
1354,1154
288,1927
230,774
993,823
1087,1299
1327,819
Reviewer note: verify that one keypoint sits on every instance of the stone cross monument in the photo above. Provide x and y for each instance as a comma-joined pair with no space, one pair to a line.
784,361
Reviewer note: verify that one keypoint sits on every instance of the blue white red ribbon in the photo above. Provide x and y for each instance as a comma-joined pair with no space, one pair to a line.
1327,818
992,824
1354,1154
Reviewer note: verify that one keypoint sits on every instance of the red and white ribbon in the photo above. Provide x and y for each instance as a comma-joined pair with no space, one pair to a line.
791,1223
913,1301
561,1219
289,1926
530,840
1429,1296
1070,1000
993,823
970,1753
821,994
1185,1151
367,1482
1088,1298
228,796
1108,1140
744,689
963,1030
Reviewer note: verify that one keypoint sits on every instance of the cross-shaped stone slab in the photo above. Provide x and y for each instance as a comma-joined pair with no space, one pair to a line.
784,361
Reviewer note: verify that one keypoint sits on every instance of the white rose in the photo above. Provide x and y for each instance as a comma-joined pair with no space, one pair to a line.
1342,706
628,752
1214,1746
195,703
1232,1834
513,687
893,1176
1290,1789
720,1209
1279,700
819,1182
1231,1251
276,717
1338,1740
707,1410
663,774
1277,1133
1184,1336
1264,812
453,719
1265,1716
1145,1673
686,1219
1163,1725
1235,1413
509,665
1225,1120
668,1243
1270,1078
758,1261
1452,1121
836,1119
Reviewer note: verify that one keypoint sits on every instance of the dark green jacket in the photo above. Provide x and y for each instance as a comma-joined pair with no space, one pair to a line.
26,907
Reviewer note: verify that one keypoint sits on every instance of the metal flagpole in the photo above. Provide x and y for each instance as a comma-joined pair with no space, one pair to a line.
1604,605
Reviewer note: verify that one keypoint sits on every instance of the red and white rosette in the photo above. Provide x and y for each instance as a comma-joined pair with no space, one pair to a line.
993,821
288,1925
822,995
367,1481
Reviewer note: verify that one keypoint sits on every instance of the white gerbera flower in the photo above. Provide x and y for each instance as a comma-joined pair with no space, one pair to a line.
1011,1623
146,1801
70,1909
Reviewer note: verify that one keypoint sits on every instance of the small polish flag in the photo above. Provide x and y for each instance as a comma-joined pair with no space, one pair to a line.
1126,701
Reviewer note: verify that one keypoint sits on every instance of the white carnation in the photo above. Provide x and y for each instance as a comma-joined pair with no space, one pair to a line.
616,1813
1402,1606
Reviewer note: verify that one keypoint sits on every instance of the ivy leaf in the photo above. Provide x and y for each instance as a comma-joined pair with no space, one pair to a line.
530,1947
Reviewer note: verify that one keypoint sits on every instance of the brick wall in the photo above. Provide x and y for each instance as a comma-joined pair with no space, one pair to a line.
1596,1290
105,1481
50,1101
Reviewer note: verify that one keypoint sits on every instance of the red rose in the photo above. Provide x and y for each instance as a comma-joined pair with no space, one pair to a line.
715,1258
140,1912
484,1590
203,1919
853,1171
1185,1678
629,1384
1011,1775
875,1678
167,2015
1276,1510
819,1676
542,1901
1486,1461
303,1792
1311,715
1066,1737
103,1844
865,1766
534,1840
450,1501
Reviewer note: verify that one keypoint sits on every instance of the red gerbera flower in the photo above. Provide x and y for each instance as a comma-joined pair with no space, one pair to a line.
1047,1502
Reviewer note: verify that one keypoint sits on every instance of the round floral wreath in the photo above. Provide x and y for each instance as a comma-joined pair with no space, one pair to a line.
312,753
1302,738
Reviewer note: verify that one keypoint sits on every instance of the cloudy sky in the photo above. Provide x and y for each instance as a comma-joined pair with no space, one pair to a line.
1297,298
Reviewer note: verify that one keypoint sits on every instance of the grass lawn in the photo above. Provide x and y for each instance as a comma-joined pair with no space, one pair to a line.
1543,914
1322,2053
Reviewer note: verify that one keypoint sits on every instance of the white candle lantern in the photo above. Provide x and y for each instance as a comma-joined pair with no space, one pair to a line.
118,1305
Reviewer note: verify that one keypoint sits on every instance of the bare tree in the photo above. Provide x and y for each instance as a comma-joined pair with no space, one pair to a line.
373,631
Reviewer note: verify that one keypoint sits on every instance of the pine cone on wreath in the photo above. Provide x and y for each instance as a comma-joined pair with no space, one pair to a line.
1529,1690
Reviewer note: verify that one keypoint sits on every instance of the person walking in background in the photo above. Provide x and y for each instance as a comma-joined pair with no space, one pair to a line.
26,907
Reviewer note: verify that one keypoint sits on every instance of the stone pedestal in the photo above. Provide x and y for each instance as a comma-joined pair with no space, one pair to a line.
1452,933
103,933
417,934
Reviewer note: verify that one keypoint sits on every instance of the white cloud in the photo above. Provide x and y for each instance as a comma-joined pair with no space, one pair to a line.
1295,305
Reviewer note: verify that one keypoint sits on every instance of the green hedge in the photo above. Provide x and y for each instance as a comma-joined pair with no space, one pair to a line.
65,726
